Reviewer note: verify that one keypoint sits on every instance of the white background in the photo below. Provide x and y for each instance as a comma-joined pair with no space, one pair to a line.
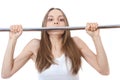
30,13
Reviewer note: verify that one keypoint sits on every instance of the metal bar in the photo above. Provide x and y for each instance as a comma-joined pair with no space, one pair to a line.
63,28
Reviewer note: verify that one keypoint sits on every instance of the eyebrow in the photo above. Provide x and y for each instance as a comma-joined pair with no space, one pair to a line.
53,16
60,16
50,16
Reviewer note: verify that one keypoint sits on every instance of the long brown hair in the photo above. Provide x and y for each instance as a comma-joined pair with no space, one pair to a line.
45,58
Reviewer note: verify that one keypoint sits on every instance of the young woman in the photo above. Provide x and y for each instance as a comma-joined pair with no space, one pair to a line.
57,55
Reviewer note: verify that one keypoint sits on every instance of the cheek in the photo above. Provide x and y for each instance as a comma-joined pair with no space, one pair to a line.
49,24
62,23
52,24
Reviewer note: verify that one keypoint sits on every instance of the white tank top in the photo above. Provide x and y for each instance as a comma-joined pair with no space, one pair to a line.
59,71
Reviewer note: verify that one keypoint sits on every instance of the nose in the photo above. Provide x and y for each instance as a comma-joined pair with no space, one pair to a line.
55,22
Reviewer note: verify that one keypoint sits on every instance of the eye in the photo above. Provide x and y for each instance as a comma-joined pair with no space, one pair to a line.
62,19
50,19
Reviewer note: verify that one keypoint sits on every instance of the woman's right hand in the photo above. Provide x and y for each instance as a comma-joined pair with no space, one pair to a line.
15,31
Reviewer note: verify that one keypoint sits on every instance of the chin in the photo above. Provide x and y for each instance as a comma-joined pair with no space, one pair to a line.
55,32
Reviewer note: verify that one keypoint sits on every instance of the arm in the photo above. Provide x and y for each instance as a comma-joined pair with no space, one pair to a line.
11,65
101,56
98,60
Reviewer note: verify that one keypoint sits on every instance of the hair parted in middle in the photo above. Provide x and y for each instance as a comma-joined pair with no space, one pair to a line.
45,58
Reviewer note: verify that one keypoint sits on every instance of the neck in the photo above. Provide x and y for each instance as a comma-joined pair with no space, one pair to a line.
56,45
56,42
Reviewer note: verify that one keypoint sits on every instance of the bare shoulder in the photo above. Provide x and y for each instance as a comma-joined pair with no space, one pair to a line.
33,47
79,42
35,42
77,39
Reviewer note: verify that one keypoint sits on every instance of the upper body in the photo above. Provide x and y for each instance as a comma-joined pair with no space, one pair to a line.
56,51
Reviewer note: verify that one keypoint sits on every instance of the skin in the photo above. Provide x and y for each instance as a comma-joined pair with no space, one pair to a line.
97,60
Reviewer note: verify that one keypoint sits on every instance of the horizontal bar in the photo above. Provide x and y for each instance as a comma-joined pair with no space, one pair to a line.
63,28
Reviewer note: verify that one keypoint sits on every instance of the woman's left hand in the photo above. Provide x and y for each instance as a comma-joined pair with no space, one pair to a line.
92,29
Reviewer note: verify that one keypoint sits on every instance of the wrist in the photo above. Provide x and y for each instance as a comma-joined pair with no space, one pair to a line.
96,37
12,39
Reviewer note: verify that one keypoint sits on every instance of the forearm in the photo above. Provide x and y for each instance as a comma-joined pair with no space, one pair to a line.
101,55
8,58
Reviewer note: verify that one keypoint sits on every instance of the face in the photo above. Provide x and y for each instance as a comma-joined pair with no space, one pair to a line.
55,19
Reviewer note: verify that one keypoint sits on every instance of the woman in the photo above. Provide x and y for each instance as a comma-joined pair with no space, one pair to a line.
57,55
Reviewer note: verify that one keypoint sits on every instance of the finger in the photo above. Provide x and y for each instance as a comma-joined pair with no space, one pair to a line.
88,27
12,28
15,28
96,26
93,26
20,29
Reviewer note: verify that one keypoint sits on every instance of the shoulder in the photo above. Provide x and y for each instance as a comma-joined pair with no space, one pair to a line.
34,42
33,47
76,39
79,42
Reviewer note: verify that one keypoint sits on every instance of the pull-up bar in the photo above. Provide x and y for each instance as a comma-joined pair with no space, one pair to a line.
63,28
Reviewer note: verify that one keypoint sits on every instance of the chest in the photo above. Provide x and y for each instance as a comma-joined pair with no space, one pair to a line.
59,71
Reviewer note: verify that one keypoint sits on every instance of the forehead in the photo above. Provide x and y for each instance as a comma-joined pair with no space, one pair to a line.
55,13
